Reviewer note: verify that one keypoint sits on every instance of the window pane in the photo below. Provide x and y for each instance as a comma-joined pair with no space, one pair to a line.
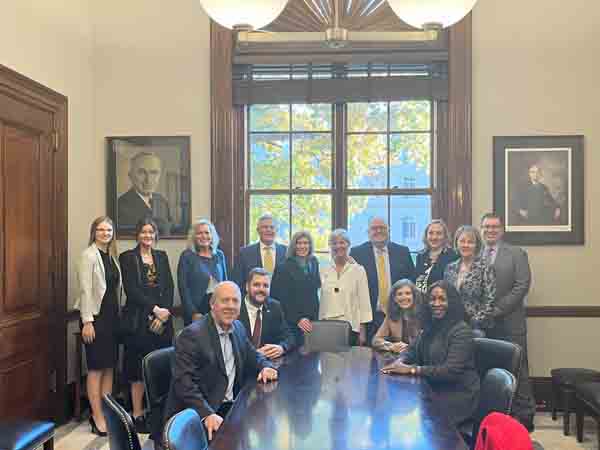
410,214
270,118
313,214
410,116
311,117
269,161
312,160
410,160
278,206
360,209
367,117
367,161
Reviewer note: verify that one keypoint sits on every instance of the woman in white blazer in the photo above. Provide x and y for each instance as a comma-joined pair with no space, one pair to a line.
345,289
99,280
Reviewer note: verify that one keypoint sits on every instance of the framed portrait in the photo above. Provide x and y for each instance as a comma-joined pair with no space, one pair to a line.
149,176
539,188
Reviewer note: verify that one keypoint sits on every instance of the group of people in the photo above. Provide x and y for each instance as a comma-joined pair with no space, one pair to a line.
237,322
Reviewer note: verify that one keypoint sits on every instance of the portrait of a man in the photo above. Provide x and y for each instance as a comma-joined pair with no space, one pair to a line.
149,177
533,202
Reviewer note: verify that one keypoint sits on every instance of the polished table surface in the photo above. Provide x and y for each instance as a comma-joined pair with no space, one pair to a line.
337,400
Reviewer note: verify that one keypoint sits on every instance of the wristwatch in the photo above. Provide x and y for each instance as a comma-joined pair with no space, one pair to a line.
413,370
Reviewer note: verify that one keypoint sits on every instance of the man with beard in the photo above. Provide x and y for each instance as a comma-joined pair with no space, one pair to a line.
213,358
263,318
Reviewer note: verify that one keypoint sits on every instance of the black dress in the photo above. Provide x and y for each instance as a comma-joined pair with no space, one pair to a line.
146,286
103,352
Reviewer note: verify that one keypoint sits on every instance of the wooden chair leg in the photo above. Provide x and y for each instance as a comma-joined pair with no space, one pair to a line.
580,415
567,402
555,397
49,444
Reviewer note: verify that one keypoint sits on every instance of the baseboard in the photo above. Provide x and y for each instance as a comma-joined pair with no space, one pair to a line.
542,392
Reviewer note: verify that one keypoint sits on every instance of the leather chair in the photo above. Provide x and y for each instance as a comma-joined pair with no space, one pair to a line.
184,431
494,353
157,372
587,397
498,387
122,434
563,390
328,335
17,434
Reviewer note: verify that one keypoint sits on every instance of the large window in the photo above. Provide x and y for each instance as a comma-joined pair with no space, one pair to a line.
321,166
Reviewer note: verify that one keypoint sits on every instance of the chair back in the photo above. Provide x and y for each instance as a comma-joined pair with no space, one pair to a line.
494,353
328,335
157,373
498,388
122,434
184,431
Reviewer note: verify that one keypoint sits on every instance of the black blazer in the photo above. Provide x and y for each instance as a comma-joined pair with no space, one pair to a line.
401,266
447,256
297,291
131,268
275,329
199,379
250,258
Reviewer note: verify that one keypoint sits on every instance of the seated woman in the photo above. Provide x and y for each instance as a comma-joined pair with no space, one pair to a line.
444,354
437,254
345,289
296,285
473,278
400,326
201,267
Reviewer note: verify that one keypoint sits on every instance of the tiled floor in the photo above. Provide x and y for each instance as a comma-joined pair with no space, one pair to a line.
77,436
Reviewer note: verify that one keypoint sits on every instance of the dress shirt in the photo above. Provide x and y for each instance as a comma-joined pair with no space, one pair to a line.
228,358
386,257
147,200
273,253
212,284
252,311
345,296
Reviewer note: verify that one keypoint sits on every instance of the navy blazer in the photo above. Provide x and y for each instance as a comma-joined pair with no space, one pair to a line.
275,329
401,266
447,256
250,258
199,379
193,276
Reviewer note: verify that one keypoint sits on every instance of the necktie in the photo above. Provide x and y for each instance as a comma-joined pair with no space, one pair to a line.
490,255
383,282
257,329
268,262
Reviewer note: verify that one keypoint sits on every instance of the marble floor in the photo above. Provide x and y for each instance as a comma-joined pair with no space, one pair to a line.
77,436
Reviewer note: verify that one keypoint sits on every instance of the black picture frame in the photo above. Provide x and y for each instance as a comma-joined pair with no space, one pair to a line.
162,169
539,188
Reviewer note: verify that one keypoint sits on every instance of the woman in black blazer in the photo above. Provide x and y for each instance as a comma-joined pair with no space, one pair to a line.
444,354
437,254
201,267
296,285
149,287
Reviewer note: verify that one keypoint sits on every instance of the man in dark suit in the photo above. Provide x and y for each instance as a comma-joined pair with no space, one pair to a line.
142,200
535,203
265,253
213,357
385,263
263,317
513,278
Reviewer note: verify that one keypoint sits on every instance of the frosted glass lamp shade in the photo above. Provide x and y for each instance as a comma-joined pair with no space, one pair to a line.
255,13
423,12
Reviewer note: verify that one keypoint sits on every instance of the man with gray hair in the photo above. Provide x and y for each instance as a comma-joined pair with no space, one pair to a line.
265,253
385,263
142,200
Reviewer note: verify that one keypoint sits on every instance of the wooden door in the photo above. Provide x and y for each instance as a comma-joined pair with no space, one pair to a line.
32,250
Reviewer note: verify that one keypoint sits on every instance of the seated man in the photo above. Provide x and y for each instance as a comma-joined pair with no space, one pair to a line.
213,357
263,317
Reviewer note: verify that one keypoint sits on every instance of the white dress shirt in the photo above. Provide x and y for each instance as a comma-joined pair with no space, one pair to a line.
252,311
228,358
345,297
386,256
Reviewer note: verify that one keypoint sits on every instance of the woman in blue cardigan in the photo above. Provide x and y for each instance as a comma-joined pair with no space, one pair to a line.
201,267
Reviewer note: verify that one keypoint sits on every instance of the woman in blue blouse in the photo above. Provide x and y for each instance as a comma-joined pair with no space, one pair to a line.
201,267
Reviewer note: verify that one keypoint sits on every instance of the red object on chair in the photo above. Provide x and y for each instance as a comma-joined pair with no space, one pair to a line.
501,432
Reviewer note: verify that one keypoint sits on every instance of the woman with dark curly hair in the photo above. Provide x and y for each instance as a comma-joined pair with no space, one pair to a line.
400,326
444,354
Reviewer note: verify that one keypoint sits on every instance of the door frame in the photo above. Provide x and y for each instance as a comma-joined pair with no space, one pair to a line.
26,90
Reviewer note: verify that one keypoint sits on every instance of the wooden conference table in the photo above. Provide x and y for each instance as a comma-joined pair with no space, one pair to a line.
337,400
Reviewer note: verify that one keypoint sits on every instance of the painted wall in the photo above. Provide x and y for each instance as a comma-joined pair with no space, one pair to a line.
535,67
